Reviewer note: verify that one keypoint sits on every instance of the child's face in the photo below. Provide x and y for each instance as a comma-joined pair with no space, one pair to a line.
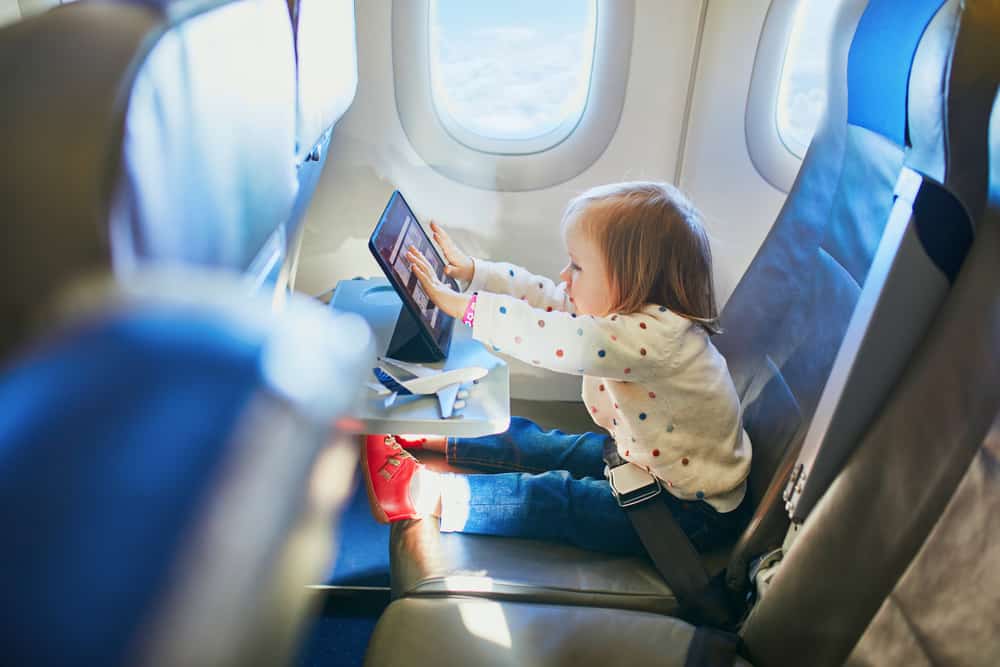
588,282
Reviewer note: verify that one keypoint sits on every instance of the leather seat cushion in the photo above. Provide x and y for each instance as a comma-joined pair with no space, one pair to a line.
486,632
425,561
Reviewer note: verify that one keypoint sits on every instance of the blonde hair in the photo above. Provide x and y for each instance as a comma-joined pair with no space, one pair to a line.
654,246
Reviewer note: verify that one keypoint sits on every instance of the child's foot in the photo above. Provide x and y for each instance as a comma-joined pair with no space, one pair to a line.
398,486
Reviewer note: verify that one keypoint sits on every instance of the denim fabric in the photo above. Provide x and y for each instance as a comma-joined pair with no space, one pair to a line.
553,488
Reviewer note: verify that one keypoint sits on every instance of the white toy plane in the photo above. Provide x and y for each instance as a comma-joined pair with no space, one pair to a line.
426,381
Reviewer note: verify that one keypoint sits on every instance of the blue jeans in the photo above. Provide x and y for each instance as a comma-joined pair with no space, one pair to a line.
554,489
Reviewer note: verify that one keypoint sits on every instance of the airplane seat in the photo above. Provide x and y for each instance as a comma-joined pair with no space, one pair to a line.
171,471
898,562
326,56
147,131
896,565
784,324
879,253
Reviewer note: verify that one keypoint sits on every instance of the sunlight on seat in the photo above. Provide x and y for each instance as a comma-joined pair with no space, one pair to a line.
468,583
486,620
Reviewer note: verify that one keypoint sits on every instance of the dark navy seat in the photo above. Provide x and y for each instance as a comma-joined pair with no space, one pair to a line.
168,473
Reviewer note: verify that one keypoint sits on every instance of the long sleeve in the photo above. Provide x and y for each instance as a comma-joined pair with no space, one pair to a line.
512,280
631,348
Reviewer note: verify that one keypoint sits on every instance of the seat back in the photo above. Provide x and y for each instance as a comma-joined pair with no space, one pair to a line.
327,67
153,130
789,315
168,477
897,563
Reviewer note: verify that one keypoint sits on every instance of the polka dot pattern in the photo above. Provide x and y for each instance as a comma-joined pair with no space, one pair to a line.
655,456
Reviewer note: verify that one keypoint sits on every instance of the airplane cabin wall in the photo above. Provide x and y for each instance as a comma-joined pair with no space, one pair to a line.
738,205
370,156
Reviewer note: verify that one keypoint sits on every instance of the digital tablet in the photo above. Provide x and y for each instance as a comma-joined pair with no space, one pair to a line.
423,332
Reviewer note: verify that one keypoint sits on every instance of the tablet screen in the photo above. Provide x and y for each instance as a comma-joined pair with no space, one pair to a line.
397,230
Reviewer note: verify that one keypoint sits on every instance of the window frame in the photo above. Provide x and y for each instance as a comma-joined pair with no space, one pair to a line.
770,156
514,164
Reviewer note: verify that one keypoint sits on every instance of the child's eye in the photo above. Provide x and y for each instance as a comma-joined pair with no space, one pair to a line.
574,267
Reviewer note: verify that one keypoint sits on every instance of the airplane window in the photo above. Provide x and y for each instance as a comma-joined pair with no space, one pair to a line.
502,95
802,91
540,54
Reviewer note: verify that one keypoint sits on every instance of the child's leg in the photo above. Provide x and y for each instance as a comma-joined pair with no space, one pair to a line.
524,447
582,512
549,506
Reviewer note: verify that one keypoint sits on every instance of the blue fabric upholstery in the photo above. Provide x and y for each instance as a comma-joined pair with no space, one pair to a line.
878,66
109,440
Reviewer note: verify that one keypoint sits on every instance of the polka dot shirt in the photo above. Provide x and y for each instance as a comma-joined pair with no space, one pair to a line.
652,379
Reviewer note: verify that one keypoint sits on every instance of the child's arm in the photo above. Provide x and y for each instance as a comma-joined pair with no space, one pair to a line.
500,278
631,348
504,278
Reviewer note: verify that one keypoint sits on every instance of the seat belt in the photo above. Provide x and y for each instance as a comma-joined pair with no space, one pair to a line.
703,600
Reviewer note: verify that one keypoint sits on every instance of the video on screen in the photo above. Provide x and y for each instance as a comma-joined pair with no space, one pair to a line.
398,232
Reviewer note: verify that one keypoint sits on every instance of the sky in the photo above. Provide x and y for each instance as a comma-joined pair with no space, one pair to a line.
513,69
802,94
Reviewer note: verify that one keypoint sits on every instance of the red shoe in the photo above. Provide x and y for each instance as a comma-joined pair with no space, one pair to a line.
411,443
388,471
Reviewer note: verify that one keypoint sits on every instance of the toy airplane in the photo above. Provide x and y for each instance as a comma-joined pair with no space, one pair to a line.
426,381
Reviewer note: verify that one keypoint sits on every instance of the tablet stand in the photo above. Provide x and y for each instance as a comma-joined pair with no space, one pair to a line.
407,343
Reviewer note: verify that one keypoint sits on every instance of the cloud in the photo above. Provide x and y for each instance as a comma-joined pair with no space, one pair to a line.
512,82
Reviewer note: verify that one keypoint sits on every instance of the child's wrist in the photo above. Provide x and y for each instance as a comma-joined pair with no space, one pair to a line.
469,316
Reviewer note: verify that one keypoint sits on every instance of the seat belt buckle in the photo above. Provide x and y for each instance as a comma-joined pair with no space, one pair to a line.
631,485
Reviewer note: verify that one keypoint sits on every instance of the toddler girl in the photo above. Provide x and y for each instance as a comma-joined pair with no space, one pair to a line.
633,316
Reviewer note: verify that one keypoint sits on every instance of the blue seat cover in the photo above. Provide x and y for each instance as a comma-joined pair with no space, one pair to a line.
109,441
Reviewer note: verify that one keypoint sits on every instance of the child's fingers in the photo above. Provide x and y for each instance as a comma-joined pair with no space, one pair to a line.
418,258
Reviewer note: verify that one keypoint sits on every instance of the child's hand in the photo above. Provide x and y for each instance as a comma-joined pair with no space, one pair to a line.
448,300
460,265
